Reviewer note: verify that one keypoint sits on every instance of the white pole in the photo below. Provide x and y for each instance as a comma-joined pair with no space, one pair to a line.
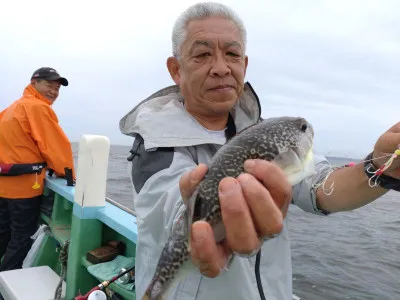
91,175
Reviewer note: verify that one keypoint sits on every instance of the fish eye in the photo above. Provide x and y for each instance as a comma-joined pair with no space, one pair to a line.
303,127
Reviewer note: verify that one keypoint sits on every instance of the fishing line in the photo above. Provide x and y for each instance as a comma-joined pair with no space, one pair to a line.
372,182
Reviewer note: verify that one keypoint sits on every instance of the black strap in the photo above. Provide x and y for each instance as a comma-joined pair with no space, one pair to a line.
21,169
135,147
382,180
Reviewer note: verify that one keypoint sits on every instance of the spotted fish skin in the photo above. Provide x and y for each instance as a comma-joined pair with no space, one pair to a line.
268,140
265,140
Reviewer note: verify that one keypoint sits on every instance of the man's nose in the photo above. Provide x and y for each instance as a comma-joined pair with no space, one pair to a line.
220,67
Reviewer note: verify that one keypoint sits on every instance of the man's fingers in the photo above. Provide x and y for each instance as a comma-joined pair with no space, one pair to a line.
190,180
267,217
389,141
206,254
240,232
395,128
273,178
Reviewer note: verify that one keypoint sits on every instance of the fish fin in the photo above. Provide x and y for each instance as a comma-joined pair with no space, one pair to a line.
186,268
229,262
189,214
145,297
294,168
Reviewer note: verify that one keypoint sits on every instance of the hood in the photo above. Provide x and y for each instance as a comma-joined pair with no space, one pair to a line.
162,120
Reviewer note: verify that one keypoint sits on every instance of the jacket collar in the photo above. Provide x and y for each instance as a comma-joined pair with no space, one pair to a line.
30,91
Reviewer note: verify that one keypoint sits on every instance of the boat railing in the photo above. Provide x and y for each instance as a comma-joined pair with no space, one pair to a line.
124,208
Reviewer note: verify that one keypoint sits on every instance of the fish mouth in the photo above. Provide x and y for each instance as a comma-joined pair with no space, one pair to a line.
309,156
304,169
296,167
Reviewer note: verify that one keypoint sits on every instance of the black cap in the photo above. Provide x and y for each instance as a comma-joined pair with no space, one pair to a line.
49,74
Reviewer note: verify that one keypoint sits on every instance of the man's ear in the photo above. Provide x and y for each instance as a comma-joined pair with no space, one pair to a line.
246,62
174,69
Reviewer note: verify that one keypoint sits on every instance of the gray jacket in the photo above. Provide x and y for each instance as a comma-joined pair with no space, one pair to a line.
173,142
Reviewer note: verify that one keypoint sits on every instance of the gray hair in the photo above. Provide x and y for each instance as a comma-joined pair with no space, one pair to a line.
201,11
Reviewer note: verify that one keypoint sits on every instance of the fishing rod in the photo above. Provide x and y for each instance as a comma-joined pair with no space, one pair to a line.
103,285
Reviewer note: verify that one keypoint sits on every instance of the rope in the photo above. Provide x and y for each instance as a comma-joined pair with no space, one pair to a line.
63,260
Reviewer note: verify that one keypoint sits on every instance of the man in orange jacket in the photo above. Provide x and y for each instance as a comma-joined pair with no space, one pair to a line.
30,140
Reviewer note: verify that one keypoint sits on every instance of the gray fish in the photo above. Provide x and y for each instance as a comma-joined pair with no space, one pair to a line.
287,141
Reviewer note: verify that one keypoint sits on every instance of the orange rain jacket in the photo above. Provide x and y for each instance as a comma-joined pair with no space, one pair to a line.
30,133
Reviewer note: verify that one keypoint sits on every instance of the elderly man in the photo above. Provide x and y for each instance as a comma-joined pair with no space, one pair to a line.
178,129
30,140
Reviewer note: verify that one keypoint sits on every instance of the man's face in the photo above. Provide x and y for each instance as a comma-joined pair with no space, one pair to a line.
212,66
48,89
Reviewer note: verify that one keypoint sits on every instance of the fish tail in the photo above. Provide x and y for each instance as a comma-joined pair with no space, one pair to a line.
173,256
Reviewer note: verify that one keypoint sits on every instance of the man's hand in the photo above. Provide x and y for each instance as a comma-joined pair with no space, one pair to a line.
253,206
387,144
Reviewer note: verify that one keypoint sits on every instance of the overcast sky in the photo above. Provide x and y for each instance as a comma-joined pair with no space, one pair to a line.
336,63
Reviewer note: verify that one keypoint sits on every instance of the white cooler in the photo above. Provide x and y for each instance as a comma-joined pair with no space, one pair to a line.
37,283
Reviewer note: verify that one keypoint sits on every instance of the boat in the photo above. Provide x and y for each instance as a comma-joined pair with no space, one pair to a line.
78,220
83,230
